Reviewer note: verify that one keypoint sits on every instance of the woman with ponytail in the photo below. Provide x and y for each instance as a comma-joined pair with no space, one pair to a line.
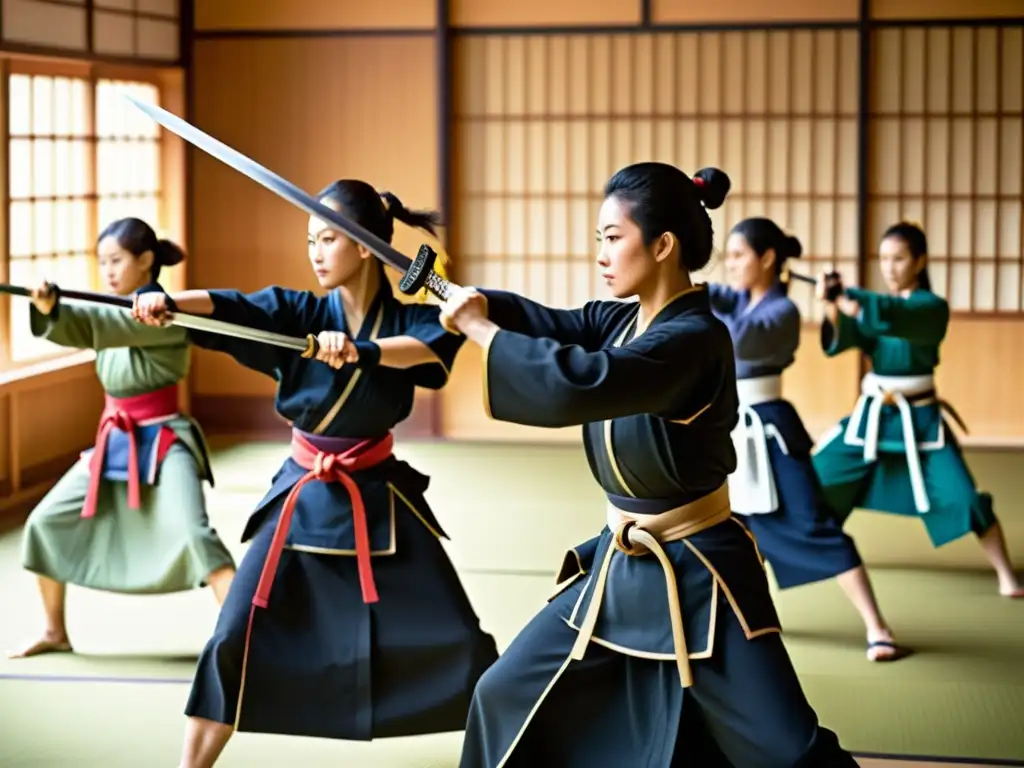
661,645
347,620
774,489
130,516
896,452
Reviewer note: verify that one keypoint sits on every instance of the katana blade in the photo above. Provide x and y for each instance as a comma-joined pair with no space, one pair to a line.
308,346
417,274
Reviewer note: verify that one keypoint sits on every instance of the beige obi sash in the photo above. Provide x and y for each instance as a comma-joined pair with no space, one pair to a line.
636,535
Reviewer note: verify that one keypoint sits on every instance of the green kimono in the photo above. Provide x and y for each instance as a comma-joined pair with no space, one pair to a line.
166,545
895,453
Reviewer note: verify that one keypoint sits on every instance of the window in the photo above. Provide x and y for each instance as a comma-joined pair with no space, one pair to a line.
50,226
127,154
81,156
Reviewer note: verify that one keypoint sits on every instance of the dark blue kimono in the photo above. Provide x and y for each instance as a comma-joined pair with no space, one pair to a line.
656,406
801,539
320,661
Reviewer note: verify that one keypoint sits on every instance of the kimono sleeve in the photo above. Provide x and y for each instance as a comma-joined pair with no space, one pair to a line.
566,326
723,298
920,318
422,322
541,383
844,334
271,309
99,327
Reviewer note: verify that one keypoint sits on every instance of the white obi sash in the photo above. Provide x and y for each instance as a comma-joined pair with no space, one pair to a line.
877,391
752,486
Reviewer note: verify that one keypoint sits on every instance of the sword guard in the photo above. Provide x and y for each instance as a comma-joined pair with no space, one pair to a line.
312,347
422,267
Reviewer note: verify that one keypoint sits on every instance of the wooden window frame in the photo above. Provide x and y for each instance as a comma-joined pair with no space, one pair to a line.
15,64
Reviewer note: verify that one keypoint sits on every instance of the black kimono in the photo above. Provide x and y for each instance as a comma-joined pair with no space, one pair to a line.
351,623
682,660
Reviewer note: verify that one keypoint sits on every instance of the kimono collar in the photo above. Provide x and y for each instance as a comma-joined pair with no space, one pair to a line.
383,295
695,297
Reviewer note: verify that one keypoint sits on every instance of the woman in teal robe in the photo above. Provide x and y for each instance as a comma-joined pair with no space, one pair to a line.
896,453
130,515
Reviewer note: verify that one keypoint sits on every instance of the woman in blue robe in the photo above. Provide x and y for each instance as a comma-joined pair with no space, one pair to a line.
774,489
661,646
346,619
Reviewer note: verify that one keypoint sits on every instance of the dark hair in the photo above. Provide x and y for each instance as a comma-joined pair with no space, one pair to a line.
917,243
376,211
661,198
137,237
763,234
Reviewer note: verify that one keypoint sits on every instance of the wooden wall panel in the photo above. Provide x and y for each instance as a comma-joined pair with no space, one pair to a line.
543,121
46,420
945,9
275,15
5,446
726,11
313,111
69,406
980,374
537,13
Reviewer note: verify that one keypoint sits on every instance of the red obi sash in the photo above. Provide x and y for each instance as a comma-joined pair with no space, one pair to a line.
127,414
328,468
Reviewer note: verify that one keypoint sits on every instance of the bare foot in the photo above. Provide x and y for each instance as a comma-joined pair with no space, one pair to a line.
1014,592
50,642
882,647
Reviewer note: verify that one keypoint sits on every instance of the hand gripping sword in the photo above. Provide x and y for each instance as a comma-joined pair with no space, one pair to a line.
417,273
307,347
833,288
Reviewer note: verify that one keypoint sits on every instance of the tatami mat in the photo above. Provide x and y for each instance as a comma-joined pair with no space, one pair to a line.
118,702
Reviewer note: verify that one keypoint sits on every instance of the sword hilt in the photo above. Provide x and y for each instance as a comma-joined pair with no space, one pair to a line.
421,275
835,283
312,347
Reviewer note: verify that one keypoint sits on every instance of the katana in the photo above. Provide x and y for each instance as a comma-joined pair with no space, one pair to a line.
307,347
416,274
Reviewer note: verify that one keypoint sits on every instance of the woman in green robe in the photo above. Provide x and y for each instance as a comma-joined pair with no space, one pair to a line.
130,515
895,453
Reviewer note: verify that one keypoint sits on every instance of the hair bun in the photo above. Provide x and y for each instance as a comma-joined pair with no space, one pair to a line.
168,253
792,248
713,186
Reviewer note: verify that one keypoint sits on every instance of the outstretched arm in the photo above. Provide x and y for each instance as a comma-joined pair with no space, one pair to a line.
921,318
667,371
840,330
98,327
271,309
567,326
424,347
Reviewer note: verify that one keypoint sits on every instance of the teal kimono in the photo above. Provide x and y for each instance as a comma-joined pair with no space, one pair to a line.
166,544
896,453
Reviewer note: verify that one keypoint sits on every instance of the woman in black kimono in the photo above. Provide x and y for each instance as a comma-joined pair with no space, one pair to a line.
347,620
661,646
